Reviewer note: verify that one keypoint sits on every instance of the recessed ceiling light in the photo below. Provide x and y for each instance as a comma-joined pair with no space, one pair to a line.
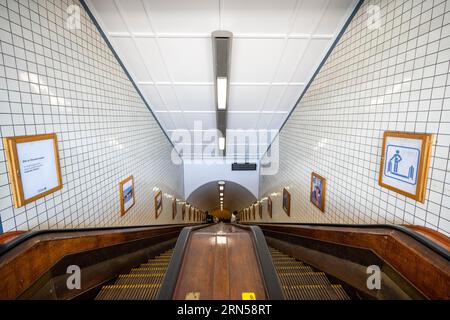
220,188
221,183
221,194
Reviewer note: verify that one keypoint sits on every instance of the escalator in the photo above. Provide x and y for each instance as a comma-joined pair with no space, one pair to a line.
226,262
142,283
301,282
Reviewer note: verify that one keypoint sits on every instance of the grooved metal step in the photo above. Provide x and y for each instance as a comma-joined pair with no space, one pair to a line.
300,282
141,283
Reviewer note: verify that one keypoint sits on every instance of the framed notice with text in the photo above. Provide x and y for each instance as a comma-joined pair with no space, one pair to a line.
287,202
126,189
33,166
405,161
158,204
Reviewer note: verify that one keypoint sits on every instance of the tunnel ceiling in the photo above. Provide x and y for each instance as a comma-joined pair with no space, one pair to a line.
166,46
206,197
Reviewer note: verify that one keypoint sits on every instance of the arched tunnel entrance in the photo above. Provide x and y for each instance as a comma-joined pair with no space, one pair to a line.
235,197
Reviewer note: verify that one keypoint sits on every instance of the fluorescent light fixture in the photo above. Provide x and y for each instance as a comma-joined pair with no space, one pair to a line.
221,188
222,83
221,240
221,143
221,183
221,194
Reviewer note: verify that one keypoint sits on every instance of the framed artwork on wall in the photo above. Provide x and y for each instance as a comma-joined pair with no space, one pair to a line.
33,166
183,211
269,206
126,190
253,211
405,162
318,191
158,204
260,209
190,213
174,208
287,202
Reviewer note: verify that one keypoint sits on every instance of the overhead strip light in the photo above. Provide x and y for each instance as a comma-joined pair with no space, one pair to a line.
221,143
222,84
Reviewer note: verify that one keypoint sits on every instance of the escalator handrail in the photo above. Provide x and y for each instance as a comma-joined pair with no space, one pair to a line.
272,283
8,246
169,282
444,253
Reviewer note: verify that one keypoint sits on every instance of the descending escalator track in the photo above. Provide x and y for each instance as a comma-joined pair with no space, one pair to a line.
141,283
300,282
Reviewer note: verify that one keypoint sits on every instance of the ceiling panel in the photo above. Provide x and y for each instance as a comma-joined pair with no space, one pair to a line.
181,16
290,97
151,59
135,16
204,120
152,95
293,52
109,15
196,97
247,97
312,57
335,16
255,60
166,47
188,59
310,15
126,48
242,120
257,16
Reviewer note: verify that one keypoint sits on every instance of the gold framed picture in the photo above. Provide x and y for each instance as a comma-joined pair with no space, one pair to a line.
127,199
287,202
174,208
405,162
260,209
33,166
318,191
253,211
158,204
190,212
269,206
183,211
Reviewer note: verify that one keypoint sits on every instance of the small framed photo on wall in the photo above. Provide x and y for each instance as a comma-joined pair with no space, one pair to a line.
318,191
174,208
269,206
287,202
260,209
190,212
158,204
253,211
405,161
183,211
126,190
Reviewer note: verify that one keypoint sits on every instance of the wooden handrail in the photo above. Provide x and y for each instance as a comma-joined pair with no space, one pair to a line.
24,263
424,267
8,236
435,236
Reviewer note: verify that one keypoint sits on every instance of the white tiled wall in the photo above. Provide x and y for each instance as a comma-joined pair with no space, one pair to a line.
395,77
53,79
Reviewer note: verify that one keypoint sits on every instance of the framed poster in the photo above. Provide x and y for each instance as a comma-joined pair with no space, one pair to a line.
318,191
405,161
269,206
127,200
287,202
158,204
253,211
33,167
260,209
190,212
174,208
183,211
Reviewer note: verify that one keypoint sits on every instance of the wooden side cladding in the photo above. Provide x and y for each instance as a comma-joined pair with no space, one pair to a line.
428,271
24,264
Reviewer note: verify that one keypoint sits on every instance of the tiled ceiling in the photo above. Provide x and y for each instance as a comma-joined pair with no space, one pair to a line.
166,47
